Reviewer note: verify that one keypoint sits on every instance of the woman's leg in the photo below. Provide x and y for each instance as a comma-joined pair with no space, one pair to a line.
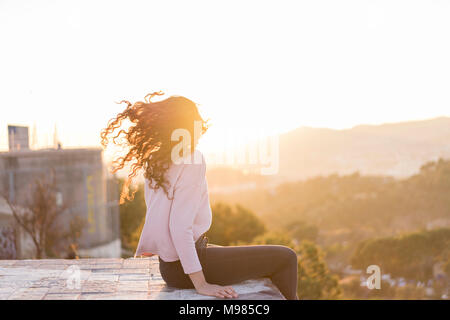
173,274
230,265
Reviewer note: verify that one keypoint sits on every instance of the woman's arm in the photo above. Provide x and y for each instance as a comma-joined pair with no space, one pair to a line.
187,196
207,289
185,203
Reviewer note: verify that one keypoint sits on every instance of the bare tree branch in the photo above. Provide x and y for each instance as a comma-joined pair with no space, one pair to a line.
38,216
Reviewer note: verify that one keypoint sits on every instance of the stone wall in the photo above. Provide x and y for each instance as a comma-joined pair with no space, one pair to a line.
137,279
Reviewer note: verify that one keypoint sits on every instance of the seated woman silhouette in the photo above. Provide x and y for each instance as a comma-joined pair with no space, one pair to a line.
178,208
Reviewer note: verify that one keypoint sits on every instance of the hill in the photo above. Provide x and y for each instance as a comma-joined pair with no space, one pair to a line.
395,149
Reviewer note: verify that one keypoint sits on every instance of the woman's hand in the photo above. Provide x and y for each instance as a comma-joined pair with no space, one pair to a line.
207,289
215,290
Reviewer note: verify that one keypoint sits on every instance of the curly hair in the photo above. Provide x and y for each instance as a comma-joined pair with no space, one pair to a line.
148,141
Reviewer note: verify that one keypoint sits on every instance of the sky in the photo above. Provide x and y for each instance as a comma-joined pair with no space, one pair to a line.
270,66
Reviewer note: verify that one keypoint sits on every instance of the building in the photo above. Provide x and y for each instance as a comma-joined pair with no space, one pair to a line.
83,184
18,138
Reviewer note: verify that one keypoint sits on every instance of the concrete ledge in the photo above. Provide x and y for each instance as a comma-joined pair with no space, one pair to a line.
105,279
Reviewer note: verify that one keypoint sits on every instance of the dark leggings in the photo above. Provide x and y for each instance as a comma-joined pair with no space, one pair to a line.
231,265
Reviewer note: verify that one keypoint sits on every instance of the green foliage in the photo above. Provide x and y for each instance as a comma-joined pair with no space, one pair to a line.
354,207
231,225
411,256
135,236
274,238
300,230
132,215
315,280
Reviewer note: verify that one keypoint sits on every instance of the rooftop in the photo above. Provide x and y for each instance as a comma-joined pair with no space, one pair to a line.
104,279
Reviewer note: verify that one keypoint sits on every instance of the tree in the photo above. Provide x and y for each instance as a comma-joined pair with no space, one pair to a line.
39,216
135,236
62,241
315,281
231,225
7,243
274,238
132,215
300,230
410,255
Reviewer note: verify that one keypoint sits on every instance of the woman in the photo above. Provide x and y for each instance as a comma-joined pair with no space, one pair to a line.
178,209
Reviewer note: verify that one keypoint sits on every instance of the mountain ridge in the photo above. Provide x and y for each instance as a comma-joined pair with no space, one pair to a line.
397,149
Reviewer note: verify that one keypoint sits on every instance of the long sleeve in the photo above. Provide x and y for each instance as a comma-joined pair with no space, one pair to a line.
186,200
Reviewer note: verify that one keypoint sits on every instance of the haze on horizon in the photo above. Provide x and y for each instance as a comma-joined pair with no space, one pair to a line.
248,64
